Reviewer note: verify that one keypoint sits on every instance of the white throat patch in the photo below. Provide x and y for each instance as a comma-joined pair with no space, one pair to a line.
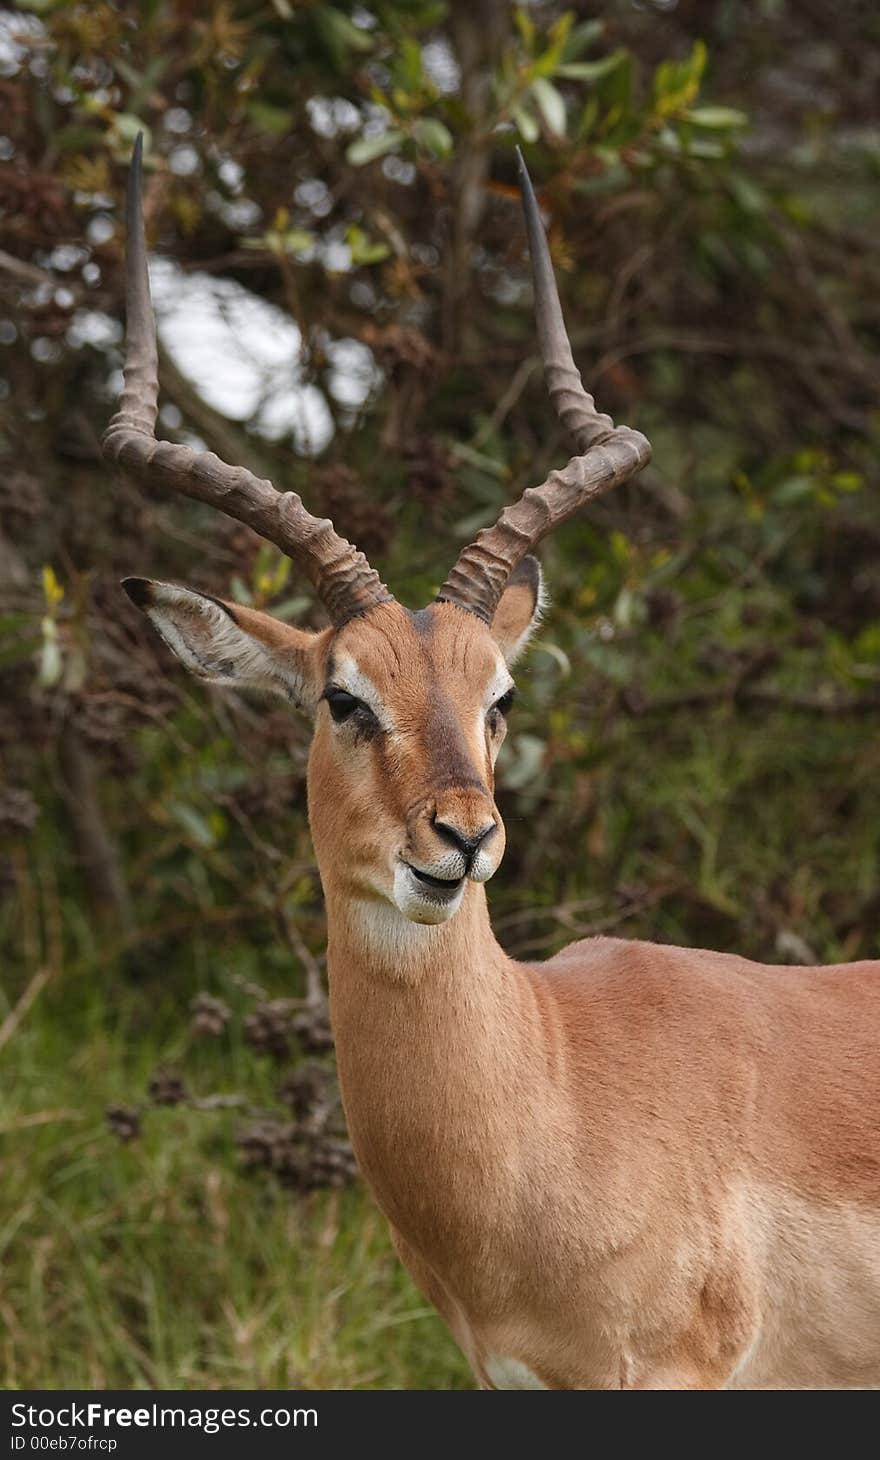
511,1374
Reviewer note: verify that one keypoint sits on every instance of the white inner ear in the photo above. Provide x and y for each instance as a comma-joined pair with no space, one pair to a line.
213,646
512,651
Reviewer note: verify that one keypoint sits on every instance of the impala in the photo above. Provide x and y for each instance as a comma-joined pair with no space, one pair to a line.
633,1166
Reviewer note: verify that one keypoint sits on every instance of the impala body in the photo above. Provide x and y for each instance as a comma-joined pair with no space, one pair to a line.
633,1166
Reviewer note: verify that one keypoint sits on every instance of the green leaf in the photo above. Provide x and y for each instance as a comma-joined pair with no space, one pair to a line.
716,118
588,118
590,70
544,646
77,139
582,37
339,33
50,655
794,490
366,149
11,623
127,126
363,249
702,147
867,644
408,64
16,653
196,826
616,83
560,30
290,608
297,240
140,84
523,761
525,124
848,481
676,83
750,197
274,121
547,63
240,591
480,460
526,27
433,136
550,104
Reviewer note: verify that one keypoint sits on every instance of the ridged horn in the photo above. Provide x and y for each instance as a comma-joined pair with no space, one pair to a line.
341,575
609,454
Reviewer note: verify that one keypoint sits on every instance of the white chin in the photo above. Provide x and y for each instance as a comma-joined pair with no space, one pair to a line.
421,903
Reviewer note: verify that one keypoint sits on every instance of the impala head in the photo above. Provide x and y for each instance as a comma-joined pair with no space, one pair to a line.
409,709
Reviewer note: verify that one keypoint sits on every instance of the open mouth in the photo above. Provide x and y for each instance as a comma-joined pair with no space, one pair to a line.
440,886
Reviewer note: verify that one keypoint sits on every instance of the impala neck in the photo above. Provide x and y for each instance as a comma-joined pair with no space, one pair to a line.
384,947
429,1038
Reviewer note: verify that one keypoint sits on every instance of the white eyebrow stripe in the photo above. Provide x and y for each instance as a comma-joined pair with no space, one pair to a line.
349,677
500,683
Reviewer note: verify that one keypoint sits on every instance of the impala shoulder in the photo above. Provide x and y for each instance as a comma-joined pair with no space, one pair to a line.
642,987
629,960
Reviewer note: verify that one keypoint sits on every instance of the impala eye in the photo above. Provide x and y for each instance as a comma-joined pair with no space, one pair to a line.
503,705
342,705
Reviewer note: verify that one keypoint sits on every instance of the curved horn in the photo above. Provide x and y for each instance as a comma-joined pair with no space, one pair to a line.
341,575
610,454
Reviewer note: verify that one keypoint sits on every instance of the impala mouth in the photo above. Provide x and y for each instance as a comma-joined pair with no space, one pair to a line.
424,898
445,886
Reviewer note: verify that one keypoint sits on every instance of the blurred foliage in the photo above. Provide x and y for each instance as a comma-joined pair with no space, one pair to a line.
694,754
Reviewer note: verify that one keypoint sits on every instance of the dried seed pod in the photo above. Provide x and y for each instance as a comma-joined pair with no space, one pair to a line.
298,1158
291,1164
166,1087
22,496
124,1121
210,1016
396,345
259,1141
430,468
633,699
19,811
663,607
262,795
312,1029
267,1029
331,1163
308,1086
346,499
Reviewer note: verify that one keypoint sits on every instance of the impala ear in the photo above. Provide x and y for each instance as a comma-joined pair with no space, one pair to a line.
228,644
519,609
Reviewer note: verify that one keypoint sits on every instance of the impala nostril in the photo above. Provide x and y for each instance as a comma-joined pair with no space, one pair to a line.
464,843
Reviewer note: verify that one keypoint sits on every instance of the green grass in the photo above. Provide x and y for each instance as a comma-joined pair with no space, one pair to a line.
162,1264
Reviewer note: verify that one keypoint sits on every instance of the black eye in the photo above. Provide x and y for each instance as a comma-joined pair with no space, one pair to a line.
342,705
503,705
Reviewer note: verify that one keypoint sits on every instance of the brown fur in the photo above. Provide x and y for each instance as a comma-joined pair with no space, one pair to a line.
632,1166
618,1162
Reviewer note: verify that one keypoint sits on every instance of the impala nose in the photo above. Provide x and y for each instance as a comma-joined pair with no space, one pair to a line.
457,838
